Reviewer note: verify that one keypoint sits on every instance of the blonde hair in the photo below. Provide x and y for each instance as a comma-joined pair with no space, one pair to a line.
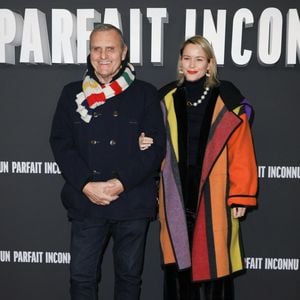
202,42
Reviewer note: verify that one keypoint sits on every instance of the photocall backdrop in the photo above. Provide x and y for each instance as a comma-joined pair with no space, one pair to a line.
43,47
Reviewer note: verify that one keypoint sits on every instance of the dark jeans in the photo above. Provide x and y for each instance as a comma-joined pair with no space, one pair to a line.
88,243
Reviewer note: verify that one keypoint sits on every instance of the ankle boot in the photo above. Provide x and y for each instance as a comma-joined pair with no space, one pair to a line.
220,289
178,285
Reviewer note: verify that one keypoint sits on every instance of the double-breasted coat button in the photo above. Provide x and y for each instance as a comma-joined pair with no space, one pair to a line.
96,114
115,113
94,142
96,172
112,142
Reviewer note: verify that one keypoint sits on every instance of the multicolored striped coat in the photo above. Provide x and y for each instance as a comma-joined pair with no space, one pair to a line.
229,177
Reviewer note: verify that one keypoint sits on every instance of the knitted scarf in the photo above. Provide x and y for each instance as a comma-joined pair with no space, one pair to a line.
94,94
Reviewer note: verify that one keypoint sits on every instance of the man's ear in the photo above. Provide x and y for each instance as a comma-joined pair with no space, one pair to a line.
124,52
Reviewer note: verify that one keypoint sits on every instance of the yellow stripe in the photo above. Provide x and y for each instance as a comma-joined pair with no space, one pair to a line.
171,116
237,110
165,240
235,251
90,84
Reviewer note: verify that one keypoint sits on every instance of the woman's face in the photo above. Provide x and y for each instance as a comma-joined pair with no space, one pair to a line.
194,62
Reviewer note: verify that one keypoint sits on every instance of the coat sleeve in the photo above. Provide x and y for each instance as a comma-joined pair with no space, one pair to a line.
147,163
243,180
74,169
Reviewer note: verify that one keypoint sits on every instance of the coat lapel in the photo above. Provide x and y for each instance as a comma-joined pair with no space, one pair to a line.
224,122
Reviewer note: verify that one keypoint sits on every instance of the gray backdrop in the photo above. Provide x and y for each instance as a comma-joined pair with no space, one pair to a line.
33,223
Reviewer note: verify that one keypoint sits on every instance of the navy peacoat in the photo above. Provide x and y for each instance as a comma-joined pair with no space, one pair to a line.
107,147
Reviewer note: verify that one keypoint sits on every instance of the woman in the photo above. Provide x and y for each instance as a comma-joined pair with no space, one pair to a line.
208,179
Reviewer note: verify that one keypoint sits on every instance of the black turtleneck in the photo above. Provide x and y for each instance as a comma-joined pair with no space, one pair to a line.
193,91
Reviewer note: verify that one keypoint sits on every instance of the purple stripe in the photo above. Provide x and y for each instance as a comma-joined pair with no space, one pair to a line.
175,215
248,108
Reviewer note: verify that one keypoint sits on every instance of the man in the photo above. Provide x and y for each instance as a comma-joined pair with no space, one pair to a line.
110,183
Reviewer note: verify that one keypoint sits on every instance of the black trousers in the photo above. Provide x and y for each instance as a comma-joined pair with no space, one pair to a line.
179,286
88,243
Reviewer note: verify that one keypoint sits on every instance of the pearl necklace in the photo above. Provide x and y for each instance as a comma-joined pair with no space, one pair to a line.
199,101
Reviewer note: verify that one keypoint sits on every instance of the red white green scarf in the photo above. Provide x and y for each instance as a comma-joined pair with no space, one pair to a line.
93,94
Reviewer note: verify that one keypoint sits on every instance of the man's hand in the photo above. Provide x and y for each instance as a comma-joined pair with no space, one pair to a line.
116,187
98,192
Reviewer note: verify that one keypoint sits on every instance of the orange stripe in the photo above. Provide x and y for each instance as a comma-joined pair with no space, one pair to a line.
167,249
219,217
218,107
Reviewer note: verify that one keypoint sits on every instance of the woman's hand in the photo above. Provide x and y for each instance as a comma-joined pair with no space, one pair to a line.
238,212
145,142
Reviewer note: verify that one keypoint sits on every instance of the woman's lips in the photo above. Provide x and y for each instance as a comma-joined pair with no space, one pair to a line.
192,72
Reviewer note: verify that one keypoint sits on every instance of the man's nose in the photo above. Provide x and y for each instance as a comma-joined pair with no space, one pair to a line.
102,54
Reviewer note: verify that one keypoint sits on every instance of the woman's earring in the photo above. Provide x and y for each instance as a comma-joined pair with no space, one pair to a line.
207,73
180,71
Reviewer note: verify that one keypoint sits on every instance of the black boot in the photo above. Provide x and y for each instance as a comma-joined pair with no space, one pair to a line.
220,289
178,285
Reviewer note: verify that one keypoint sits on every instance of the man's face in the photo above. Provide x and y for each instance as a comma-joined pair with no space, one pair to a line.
106,54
